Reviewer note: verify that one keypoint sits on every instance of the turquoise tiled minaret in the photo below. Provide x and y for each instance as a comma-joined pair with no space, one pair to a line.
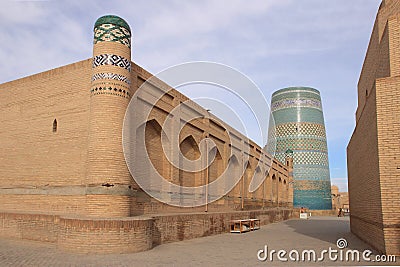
299,127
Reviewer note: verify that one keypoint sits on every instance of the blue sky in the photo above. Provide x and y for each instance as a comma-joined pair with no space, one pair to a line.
276,43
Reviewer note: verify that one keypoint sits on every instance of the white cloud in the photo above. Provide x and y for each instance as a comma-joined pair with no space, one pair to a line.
15,13
38,36
180,19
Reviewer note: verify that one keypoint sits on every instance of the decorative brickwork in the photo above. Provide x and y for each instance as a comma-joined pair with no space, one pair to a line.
111,76
112,29
110,90
113,60
302,128
288,103
112,33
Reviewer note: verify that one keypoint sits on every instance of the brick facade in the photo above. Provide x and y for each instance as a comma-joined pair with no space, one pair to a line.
372,154
63,174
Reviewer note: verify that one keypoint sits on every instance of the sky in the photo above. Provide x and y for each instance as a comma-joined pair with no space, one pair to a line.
275,43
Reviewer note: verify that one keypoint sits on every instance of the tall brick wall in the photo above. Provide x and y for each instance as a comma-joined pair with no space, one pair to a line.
37,164
373,191
364,185
388,117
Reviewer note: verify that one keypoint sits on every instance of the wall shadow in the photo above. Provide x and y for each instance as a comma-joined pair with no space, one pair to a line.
329,229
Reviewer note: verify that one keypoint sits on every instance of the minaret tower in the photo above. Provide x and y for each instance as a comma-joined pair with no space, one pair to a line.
108,178
299,127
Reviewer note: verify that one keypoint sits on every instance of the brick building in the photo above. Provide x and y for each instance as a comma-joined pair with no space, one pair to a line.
340,200
63,175
373,152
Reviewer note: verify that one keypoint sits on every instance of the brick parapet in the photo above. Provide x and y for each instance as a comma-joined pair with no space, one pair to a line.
128,234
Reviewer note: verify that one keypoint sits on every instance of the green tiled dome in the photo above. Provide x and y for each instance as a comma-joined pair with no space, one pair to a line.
112,19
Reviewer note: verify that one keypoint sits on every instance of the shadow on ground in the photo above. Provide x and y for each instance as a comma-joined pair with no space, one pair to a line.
329,229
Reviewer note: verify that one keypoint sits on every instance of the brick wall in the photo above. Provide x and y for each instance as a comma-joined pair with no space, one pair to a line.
105,236
37,227
35,162
55,204
187,226
373,161
143,204
126,235
31,153
388,117
364,185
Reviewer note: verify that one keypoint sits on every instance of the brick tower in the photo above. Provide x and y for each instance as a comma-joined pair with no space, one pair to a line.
299,128
108,178
289,163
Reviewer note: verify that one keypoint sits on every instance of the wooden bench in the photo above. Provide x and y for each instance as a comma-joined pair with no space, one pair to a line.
241,226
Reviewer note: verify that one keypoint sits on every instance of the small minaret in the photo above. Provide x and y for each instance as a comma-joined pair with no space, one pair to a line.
108,178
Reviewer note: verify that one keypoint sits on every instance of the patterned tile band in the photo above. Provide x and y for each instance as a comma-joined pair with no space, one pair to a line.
112,33
300,129
299,144
110,90
307,94
111,76
309,157
307,172
114,60
288,103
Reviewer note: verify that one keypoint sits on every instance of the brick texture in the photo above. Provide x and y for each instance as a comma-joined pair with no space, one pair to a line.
373,161
126,235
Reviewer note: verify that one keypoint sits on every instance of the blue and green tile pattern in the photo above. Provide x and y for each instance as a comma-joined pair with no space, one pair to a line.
299,126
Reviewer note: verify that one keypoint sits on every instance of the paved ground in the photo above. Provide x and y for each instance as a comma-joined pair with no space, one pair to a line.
318,233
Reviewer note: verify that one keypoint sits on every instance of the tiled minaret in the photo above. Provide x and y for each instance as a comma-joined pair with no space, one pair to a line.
108,178
299,128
